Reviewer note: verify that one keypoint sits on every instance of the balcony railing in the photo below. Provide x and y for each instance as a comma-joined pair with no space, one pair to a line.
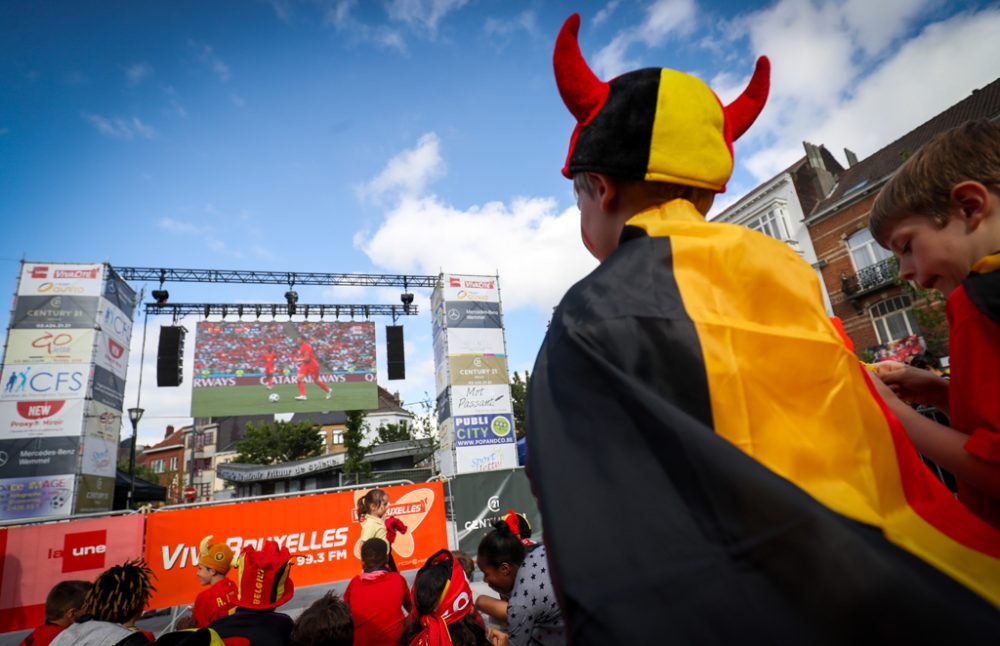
869,279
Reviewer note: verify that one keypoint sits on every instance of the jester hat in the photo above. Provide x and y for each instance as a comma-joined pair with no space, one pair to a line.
262,577
653,124
215,556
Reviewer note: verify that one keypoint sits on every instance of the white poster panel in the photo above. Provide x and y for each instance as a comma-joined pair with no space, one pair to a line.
50,346
480,400
114,322
111,354
41,418
49,279
102,421
36,497
471,288
44,381
473,459
99,456
475,341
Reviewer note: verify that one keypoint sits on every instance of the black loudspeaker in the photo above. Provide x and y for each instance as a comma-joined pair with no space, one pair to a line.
394,351
170,356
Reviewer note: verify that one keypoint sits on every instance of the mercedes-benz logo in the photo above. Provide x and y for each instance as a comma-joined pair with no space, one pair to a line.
3,458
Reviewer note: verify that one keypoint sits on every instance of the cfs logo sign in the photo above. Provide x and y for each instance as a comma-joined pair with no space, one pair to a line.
82,551
116,324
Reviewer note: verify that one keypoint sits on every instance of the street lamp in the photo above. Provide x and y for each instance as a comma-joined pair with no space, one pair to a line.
134,415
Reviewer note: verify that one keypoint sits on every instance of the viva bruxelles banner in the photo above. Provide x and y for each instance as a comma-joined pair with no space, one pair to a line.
321,531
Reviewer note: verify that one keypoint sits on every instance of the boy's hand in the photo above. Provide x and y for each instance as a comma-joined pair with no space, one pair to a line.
497,637
914,384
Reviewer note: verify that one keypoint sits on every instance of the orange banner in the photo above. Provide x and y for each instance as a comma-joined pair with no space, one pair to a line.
321,531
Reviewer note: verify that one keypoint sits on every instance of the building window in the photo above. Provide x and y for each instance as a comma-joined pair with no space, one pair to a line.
338,437
893,319
173,463
156,466
771,223
865,252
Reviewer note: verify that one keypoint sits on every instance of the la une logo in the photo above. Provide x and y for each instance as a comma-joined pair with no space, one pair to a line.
82,551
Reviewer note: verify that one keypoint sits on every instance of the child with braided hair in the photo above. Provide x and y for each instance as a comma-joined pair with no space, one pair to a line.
111,609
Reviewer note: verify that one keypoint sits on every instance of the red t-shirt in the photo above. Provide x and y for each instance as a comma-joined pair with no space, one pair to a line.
377,607
42,635
214,602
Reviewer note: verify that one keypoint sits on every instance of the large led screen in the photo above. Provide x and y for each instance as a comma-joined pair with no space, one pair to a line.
246,368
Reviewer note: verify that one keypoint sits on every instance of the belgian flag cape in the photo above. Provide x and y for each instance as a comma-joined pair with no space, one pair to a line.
751,487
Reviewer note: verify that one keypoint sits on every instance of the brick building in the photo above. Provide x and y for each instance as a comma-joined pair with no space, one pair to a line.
856,271
166,460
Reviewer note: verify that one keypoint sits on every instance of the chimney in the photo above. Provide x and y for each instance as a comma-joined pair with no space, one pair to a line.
852,159
170,431
824,178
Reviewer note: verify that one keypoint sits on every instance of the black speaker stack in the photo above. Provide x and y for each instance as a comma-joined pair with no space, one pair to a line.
170,356
394,351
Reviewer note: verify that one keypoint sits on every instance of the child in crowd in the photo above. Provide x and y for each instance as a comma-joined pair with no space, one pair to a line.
327,622
520,574
694,386
480,588
62,607
264,585
377,597
371,509
443,612
214,561
111,608
940,216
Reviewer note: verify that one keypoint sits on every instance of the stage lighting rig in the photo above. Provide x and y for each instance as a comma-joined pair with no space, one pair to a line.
161,296
407,299
292,297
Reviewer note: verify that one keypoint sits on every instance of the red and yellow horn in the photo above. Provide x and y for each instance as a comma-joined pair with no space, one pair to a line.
582,92
744,110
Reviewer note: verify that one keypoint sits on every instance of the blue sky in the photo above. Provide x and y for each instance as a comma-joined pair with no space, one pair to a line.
410,136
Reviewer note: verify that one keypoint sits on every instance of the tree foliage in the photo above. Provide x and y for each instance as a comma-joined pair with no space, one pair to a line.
519,400
393,432
142,471
354,437
268,443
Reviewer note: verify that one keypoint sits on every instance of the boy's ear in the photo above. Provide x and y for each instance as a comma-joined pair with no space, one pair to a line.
973,200
605,190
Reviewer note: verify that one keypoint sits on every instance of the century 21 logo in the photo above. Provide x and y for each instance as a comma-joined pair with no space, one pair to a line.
53,343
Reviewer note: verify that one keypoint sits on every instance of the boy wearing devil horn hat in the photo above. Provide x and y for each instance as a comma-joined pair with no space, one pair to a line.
214,561
694,390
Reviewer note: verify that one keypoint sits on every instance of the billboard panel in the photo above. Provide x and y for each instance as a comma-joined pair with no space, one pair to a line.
107,388
475,341
44,381
481,499
39,556
473,314
321,531
244,368
111,354
480,400
41,418
54,312
482,430
118,293
36,497
94,494
473,459
99,457
51,279
50,346
102,421
38,456
477,370
471,288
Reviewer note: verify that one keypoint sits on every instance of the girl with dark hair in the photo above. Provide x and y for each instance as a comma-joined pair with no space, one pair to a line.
521,575
443,611
327,622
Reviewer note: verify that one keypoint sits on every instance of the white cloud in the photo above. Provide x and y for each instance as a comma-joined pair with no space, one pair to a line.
505,27
602,16
422,13
120,127
409,172
536,249
827,87
178,226
340,16
207,56
663,18
237,100
136,72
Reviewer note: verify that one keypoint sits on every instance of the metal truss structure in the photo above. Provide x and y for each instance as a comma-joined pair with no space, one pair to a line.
290,278
273,309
